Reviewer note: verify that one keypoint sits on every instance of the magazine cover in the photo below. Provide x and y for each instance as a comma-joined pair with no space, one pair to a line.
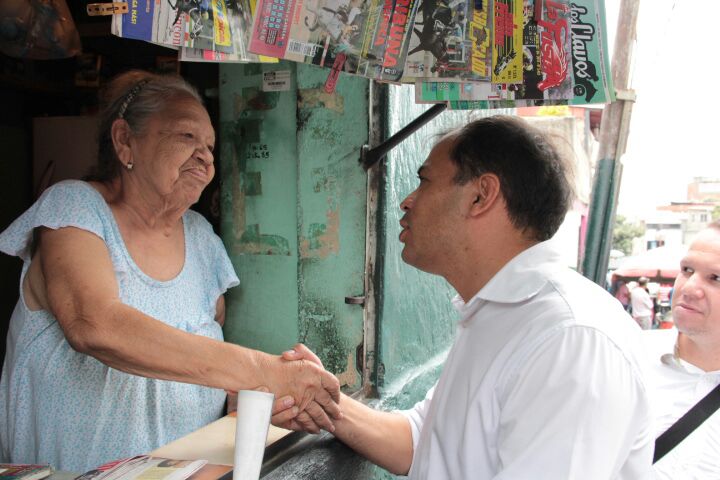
507,41
398,39
440,44
144,467
152,21
311,31
480,37
205,24
555,49
534,76
375,38
590,58
24,471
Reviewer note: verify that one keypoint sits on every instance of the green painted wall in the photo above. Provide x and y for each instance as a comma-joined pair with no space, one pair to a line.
293,211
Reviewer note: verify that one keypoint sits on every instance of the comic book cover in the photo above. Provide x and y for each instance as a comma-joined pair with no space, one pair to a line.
555,49
436,92
440,45
398,39
590,58
507,41
315,32
480,42
153,21
375,38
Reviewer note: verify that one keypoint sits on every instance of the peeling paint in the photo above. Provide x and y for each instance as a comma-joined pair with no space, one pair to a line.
253,242
323,239
349,376
318,97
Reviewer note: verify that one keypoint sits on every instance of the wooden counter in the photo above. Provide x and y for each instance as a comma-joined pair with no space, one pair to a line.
214,442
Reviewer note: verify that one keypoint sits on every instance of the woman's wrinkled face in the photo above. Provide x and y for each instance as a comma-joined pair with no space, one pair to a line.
173,156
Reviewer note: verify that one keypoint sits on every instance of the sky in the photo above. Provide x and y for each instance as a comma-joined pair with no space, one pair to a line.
674,130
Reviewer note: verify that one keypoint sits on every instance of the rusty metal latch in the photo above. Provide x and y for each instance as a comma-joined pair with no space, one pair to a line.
357,300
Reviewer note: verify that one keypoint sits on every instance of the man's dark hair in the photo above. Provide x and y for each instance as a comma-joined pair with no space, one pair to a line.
534,179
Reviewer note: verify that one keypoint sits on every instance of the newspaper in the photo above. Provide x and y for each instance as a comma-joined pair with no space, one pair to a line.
144,467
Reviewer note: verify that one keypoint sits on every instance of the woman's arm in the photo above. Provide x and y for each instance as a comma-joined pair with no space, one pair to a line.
82,293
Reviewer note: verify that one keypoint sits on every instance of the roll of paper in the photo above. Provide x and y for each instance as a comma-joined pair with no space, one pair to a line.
253,420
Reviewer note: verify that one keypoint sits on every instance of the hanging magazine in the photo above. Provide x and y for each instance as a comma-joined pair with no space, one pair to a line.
507,41
317,32
591,64
450,42
398,39
155,22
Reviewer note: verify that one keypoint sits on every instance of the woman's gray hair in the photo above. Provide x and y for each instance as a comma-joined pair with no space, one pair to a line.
134,96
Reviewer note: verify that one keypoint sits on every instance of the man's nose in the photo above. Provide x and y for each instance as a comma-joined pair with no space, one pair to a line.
693,286
407,203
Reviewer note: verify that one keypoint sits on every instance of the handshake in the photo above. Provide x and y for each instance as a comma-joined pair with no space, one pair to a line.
307,396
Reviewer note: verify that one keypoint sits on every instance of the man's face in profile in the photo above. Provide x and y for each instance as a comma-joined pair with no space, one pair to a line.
696,298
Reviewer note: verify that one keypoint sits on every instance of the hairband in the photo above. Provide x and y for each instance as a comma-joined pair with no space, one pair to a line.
130,96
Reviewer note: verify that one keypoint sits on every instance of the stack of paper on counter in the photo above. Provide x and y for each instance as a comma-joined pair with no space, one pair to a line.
23,471
145,467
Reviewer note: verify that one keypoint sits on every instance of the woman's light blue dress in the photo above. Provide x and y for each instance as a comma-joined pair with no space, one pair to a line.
67,409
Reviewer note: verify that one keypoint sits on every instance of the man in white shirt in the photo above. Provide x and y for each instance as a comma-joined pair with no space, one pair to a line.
543,380
642,304
686,361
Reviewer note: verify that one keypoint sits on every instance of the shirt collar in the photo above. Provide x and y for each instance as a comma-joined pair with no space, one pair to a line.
520,279
674,361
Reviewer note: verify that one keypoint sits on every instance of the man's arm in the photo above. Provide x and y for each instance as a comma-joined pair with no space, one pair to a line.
384,438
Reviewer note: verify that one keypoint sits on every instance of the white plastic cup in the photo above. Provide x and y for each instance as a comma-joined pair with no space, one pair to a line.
253,421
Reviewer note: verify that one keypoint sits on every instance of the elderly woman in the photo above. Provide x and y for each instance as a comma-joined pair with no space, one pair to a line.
115,347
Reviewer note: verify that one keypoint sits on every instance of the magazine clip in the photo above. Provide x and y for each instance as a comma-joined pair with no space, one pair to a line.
332,79
97,9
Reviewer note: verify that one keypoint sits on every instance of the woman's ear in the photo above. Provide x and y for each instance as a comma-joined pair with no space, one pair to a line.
120,134
486,190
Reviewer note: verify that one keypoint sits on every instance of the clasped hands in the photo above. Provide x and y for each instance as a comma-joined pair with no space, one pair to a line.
306,395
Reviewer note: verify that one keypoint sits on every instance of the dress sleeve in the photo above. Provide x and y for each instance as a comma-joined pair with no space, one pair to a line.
217,269
71,203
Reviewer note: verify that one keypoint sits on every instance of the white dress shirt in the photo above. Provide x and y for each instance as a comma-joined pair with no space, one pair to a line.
543,382
675,386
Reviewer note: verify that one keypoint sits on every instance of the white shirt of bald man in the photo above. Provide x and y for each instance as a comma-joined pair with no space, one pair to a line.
675,386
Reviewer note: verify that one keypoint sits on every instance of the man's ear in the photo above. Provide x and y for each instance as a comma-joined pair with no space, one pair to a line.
120,134
486,191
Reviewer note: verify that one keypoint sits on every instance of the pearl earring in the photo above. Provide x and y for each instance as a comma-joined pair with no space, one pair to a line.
129,166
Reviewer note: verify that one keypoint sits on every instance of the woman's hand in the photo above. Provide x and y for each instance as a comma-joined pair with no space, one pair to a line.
304,420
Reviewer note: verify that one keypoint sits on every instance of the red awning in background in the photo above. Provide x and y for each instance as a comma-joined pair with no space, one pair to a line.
658,263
